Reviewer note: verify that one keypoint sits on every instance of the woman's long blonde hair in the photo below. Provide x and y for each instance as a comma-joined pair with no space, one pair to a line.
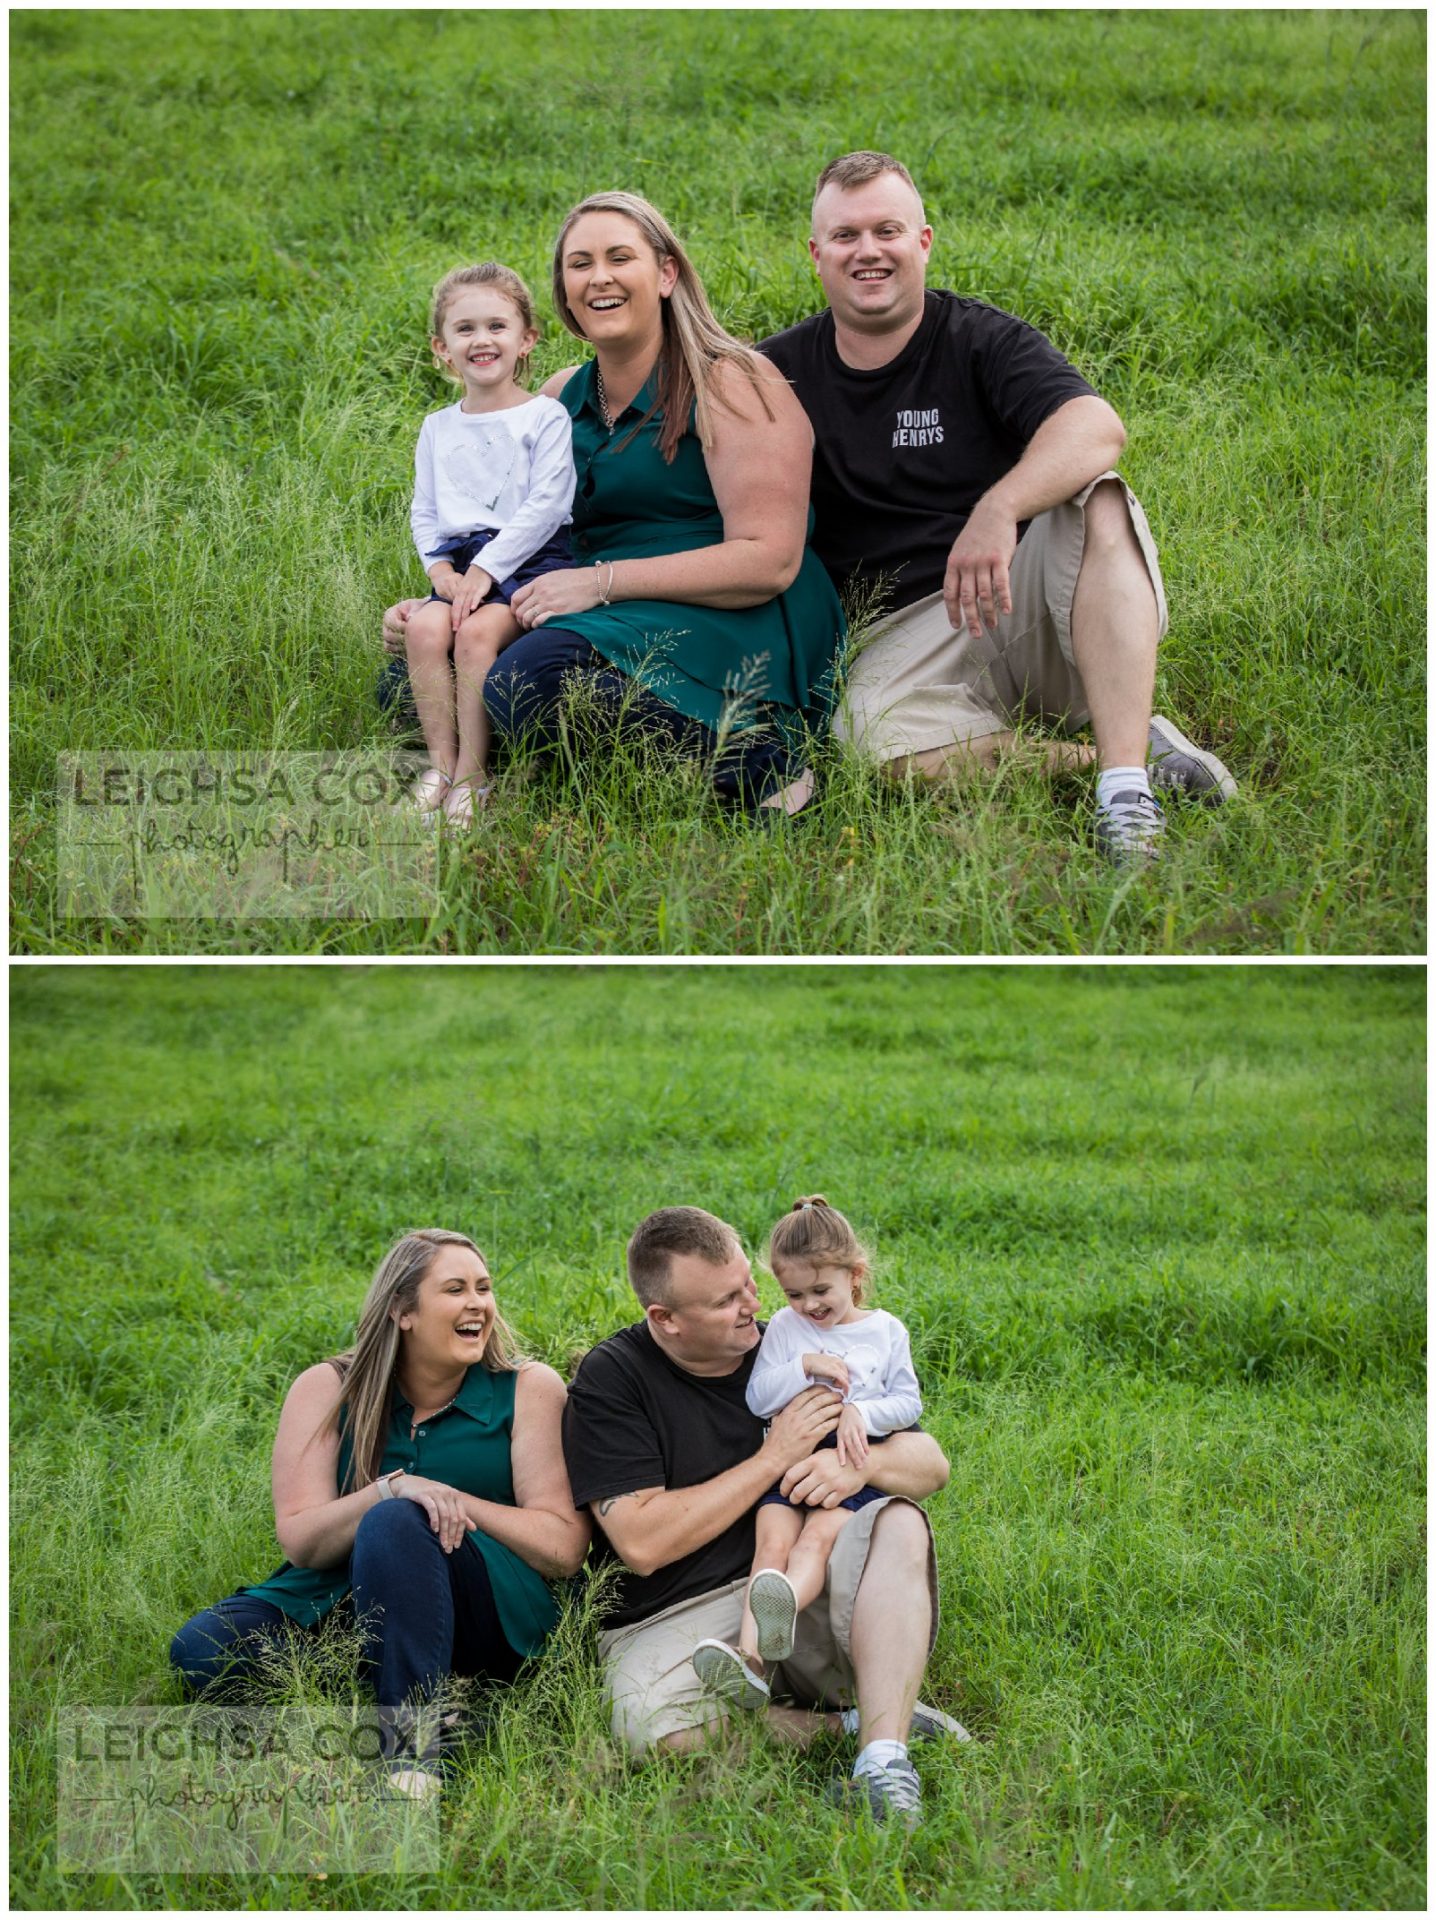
693,341
368,1368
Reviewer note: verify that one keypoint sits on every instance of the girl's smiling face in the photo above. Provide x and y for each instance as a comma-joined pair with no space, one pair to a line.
483,340
823,1295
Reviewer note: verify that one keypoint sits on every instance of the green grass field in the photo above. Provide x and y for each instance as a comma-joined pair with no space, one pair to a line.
224,229
1158,1236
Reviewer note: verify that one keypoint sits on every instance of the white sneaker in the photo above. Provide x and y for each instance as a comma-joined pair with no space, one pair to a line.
774,1601
724,1671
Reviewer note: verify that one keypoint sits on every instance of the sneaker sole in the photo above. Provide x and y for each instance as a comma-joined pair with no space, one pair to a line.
775,1610
1223,786
726,1673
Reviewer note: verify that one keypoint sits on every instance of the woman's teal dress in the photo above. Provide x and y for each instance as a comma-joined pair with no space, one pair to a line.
469,1446
770,665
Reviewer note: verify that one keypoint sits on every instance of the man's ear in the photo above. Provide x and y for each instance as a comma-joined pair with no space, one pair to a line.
660,1320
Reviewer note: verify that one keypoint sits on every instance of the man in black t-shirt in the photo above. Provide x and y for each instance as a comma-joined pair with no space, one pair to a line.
662,1449
963,477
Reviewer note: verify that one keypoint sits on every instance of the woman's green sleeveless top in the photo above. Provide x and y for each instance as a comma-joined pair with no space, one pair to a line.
771,665
469,1446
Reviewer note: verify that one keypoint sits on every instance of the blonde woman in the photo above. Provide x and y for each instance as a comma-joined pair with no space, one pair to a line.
418,1478
695,610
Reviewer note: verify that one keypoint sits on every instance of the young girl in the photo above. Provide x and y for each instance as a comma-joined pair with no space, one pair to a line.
493,486
824,1335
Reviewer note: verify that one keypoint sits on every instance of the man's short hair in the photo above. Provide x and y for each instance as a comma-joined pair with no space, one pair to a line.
669,1231
856,169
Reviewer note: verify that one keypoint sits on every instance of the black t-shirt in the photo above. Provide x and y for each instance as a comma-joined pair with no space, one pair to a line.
636,1420
904,452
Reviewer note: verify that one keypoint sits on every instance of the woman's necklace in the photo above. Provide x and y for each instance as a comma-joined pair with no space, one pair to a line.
601,395
419,1418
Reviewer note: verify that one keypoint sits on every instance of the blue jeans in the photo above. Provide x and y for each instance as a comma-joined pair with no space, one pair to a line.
423,1614
525,686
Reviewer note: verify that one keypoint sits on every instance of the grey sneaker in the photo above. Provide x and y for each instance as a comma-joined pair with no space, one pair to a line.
1180,766
1130,827
893,1792
928,1723
775,1612
724,1671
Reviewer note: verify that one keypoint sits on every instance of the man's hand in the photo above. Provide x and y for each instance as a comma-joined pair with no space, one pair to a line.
796,1431
822,1480
395,619
829,1367
470,590
976,588
852,1438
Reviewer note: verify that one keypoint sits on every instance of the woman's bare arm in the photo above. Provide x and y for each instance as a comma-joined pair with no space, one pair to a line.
760,469
315,1523
545,1529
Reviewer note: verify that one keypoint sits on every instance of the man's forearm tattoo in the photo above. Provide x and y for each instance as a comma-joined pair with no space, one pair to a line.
612,1501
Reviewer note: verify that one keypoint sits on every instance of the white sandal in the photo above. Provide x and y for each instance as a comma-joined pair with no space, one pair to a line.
459,802
428,791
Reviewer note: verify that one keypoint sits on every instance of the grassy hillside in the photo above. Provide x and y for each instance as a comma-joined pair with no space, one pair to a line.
1160,1243
225,228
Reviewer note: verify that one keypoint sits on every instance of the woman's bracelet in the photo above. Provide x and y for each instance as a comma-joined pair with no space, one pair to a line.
605,595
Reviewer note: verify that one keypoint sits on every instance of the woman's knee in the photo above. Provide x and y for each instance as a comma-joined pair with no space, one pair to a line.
392,1528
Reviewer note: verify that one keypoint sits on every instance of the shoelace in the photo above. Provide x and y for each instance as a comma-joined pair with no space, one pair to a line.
1133,819
899,1785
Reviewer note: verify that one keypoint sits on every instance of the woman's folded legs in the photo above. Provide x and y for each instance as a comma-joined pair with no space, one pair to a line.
525,689
422,1615
218,1652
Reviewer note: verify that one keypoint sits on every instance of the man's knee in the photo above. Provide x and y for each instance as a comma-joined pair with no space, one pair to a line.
1107,520
901,1534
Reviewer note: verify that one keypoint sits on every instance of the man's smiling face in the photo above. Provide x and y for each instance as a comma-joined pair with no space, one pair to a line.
710,1317
870,246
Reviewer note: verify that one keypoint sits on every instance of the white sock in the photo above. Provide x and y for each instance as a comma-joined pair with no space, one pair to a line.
878,1753
850,1720
1114,780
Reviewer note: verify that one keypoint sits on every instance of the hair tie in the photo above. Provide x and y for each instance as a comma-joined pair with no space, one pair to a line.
806,1207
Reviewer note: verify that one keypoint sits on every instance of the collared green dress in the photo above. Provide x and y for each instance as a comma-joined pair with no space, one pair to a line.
469,1446
770,665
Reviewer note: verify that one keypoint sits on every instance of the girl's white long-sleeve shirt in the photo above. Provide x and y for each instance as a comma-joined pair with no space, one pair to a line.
881,1382
511,472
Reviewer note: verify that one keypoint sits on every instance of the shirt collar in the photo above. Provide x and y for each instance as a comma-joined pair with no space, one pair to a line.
646,397
466,1400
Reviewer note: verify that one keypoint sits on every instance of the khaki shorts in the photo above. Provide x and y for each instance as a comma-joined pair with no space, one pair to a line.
916,684
648,1667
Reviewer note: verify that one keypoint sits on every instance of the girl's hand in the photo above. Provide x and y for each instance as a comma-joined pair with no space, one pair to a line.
444,1506
396,618
828,1367
569,590
471,589
852,1438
